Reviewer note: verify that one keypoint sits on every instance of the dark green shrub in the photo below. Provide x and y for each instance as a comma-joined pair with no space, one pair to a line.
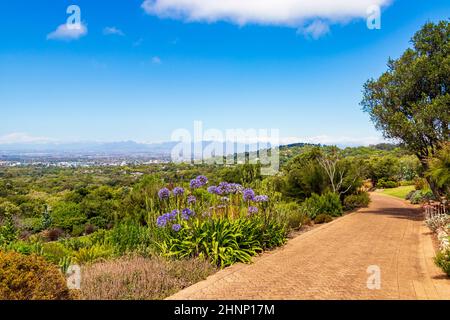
386,184
291,214
323,218
8,231
55,251
127,237
356,201
30,278
328,203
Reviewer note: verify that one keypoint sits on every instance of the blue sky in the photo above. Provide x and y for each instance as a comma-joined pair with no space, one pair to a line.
140,72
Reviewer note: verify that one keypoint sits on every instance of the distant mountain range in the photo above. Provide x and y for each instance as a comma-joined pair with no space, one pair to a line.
105,148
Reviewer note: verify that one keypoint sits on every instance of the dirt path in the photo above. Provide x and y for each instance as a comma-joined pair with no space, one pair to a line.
331,262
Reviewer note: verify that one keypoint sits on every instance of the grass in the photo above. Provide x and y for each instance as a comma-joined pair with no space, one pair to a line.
139,278
399,192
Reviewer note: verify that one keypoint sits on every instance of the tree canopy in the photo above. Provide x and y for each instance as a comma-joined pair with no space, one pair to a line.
410,102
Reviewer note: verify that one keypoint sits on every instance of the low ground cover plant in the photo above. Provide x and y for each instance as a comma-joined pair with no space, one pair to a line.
134,277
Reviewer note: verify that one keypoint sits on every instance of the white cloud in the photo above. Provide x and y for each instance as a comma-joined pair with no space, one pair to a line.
21,137
293,13
314,30
156,60
66,33
113,31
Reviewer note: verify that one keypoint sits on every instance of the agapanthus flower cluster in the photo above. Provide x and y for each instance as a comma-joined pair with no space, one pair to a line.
261,198
249,195
191,200
212,190
235,188
176,227
198,182
225,188
163,220
252,210
203,180
187,213
178,191
164,193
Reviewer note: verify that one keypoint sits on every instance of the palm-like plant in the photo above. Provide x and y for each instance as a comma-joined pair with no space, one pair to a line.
439,169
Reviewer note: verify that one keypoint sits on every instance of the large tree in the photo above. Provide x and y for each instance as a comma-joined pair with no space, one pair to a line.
410,102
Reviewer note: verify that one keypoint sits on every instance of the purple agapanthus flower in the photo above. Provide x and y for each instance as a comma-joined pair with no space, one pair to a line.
212,190
261,198
173,214
164,193
195,184
161,221
223,188
178,191
187,213
252,210
235,188
191,200
176,227
203,180
249,195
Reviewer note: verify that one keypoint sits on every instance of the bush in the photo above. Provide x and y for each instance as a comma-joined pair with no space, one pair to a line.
54,252
443,260
323,218
128,237
93,254
420,183
8,231
421,196
386,184
54,234
292,215
356,201
30,278
328,203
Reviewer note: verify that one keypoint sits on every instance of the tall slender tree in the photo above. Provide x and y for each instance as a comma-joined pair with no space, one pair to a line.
410,102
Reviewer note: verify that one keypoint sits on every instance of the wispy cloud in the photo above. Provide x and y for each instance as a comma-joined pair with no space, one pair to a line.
292,13
108,31
67,33
314,30
22,137
156,60
138,42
